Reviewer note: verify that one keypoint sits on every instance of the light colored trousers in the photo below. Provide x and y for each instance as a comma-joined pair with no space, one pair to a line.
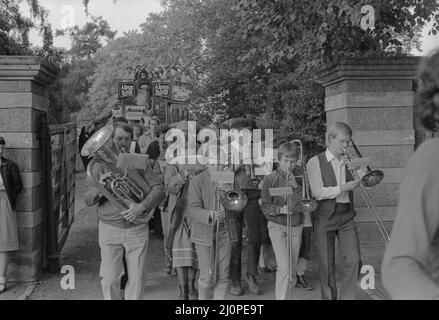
278,236
112,241
206,290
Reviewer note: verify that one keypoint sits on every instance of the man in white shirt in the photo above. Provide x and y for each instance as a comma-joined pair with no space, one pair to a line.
332,185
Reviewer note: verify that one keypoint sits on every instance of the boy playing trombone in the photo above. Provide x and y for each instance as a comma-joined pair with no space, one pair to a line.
277,210
205,212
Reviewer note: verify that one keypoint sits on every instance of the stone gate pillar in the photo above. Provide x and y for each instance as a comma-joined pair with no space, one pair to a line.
375,97
23,100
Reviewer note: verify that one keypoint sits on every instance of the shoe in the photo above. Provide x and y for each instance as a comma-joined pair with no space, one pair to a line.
253,287
193,293
266,270
303,284
184,292
168,270
3,287
236,289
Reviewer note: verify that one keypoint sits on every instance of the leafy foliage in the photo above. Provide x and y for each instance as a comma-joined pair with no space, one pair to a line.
256,57
69,94
315,32
87,40
15,28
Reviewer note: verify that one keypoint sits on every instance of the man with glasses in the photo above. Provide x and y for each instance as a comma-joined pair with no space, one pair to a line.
332,186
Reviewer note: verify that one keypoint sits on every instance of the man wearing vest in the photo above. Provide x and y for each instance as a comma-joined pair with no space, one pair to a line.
332,186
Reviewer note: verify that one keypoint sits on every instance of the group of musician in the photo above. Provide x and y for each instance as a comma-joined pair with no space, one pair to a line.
190,212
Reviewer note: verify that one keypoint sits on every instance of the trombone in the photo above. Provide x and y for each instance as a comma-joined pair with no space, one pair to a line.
369,180
305,205
213,262
232,200
253,182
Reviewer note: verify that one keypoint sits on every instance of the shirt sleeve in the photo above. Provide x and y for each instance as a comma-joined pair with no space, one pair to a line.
197,212
157,192
316,183
174,180
268,207
92,193
417,219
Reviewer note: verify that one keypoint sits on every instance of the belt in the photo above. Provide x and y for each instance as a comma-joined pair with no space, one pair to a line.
342,208
342,205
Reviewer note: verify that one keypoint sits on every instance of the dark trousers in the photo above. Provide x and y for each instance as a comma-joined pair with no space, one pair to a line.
85,161
305,245
252,217
124,278
156,223
346,233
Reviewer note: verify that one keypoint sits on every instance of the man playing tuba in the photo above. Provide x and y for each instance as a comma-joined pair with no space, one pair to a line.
121,230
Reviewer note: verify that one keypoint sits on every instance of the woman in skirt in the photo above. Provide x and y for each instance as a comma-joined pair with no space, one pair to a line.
10,188
182,251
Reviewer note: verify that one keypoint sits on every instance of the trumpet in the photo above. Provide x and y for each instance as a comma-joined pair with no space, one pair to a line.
369,180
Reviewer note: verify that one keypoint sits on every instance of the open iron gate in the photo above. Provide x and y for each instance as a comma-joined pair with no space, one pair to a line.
58,156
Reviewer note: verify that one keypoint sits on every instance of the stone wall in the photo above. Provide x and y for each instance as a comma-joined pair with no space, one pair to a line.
375,97
23,100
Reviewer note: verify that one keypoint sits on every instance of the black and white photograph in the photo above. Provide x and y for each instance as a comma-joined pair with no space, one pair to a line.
242,151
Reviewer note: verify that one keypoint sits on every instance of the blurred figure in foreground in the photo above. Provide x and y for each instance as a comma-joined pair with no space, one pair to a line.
411,262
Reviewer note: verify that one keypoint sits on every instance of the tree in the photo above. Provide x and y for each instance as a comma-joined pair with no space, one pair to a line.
247,57
69,93
292,39
87,40
170,39
15,28
315,32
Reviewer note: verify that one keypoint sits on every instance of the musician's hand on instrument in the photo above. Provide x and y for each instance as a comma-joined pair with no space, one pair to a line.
103,177
349,186
344,158
186,173
133,211
220,214
284,210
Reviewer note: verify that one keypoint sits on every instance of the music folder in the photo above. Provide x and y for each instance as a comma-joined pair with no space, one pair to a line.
357,163
133,161
222,177
285,191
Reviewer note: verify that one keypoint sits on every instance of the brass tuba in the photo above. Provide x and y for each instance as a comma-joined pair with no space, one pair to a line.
121,187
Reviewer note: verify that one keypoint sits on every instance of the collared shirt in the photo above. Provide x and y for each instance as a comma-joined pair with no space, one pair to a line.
316,182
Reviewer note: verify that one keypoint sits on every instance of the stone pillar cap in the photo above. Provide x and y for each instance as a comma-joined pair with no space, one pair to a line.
30,68
368,68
